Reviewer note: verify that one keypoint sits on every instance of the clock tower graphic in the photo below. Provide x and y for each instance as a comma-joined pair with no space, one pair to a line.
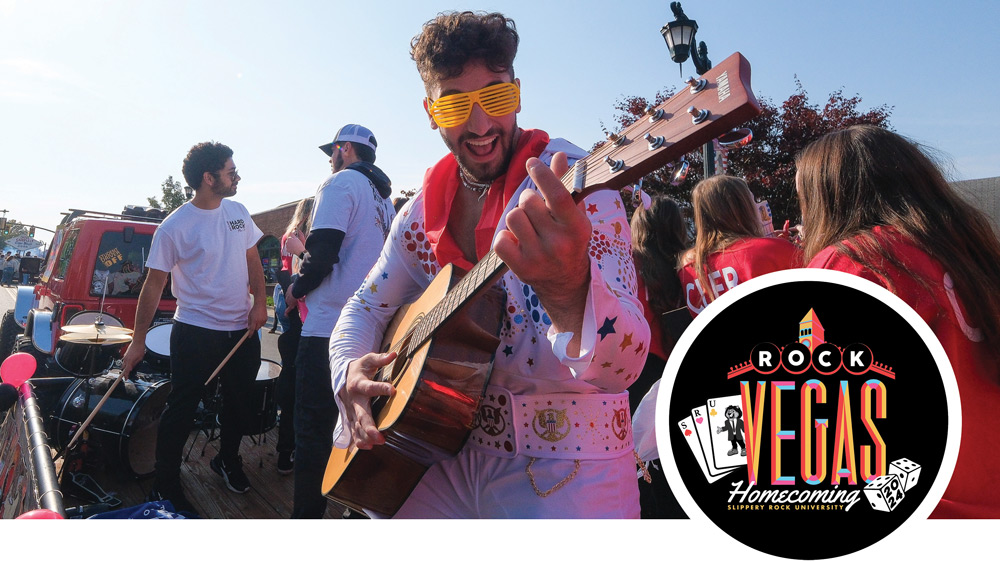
810,330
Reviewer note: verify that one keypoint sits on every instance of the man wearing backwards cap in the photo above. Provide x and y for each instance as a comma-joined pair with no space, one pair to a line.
351,217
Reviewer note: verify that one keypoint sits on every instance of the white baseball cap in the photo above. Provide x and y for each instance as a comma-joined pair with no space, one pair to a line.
352,133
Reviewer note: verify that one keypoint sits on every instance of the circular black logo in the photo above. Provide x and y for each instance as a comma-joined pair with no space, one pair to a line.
808,401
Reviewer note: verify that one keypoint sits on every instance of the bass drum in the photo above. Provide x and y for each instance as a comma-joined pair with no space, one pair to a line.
123,432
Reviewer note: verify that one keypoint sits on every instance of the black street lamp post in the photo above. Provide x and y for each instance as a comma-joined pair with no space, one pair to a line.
680,37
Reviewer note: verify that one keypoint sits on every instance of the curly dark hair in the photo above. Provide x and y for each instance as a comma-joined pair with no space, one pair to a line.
204,157
739,412
452,39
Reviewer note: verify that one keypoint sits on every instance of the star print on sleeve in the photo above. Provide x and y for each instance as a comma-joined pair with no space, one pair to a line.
615,310
626,342
608,327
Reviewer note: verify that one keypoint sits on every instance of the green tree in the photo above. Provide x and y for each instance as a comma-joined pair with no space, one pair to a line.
768,162
173,196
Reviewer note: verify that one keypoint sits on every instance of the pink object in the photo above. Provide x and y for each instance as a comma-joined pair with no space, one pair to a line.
39,513
17,368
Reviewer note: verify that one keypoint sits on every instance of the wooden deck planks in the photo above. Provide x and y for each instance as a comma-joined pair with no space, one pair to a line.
270,496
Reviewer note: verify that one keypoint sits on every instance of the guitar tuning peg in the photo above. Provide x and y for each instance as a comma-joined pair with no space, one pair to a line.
654,142
680,173
698,115
615,165
697,84
617,140
642,199
654,114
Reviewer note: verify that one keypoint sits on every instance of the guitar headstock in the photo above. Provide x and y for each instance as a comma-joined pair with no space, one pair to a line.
704,109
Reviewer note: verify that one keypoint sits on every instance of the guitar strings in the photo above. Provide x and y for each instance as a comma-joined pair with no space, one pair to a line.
417,333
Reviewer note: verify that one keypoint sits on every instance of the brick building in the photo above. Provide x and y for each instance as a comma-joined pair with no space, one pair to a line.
273,223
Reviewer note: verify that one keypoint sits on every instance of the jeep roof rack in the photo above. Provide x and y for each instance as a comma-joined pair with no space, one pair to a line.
74,214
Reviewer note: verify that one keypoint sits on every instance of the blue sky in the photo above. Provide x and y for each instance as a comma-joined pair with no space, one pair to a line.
100,100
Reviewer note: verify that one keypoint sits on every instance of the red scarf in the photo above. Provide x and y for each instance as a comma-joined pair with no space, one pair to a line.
441,183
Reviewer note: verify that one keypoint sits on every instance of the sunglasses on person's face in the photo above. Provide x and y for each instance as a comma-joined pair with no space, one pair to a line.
496,100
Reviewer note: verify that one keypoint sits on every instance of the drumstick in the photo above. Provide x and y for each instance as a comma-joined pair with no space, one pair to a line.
97,408
226,360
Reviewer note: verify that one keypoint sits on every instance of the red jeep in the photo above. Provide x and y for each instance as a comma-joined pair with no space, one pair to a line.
95,263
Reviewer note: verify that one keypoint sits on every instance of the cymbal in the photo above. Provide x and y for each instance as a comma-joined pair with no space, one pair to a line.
96,339
93,329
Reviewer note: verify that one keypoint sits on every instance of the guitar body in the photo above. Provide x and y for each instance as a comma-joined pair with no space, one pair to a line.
439,386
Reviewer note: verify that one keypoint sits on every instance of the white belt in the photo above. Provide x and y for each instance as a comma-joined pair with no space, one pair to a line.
555,426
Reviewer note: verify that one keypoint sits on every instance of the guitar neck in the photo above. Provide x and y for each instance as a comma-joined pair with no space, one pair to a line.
690,118
480,276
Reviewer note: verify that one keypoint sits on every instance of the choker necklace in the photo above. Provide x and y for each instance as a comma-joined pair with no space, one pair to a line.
475,187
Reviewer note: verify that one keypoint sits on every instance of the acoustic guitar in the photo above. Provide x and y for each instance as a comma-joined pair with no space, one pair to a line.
446,340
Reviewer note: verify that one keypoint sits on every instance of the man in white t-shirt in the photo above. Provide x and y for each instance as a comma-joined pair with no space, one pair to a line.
351,218
209,246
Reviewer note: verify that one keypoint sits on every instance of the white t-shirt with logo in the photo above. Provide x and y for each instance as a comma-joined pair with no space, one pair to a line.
347,201
205,252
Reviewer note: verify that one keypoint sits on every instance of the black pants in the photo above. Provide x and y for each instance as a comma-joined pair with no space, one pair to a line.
194,354
315,418
288,347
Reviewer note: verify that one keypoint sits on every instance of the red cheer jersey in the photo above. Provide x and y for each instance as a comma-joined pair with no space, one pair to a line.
740,261
974,490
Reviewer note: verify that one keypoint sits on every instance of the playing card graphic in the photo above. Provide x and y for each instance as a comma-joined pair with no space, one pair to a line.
728,441
703,429
687,429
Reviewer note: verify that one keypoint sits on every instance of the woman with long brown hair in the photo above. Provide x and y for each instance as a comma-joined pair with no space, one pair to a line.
874,205
730,246
659,237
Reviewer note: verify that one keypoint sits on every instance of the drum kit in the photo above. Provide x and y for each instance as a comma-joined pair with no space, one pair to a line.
123,415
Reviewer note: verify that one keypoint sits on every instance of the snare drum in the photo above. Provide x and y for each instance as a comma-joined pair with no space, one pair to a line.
157,356
123,432
264,403
89,358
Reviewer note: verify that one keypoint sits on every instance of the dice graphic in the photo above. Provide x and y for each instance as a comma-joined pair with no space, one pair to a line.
908,472
884,492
